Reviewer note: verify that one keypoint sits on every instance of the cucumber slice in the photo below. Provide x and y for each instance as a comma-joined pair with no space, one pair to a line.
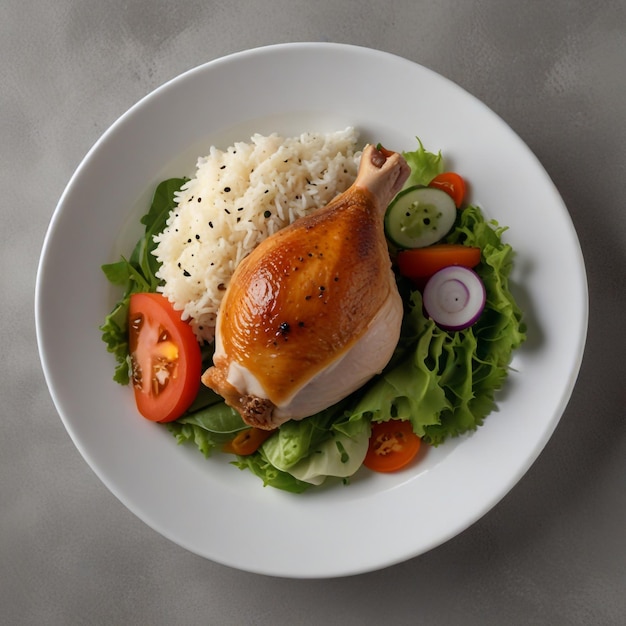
419,216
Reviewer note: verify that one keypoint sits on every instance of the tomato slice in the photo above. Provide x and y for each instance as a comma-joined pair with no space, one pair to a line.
452,184
165,358
420,264
392,446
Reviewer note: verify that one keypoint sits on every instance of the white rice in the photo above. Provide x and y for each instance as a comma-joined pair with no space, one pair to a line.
239,197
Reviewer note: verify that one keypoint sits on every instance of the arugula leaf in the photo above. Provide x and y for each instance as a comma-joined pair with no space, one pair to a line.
217,418
136,275
155,221
208,427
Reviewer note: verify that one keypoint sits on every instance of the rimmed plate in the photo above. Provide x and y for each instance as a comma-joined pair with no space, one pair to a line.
207,506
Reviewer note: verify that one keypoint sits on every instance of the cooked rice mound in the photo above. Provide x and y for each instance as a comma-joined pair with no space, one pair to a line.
239,197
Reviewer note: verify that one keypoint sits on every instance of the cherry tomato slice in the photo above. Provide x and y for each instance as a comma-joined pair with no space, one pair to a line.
420,264
165,358
392,446
452,184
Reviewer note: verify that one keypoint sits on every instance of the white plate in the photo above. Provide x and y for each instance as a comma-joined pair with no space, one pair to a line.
208,506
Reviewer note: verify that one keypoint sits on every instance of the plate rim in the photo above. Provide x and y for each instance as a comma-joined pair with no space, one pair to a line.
234,58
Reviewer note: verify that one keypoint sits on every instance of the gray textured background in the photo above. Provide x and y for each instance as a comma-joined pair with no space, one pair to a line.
552,552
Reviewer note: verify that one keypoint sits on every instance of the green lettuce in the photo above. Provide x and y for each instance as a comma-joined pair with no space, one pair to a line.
136,275
424,165
443,382
208,423
304,453
339,457
446,385
271,476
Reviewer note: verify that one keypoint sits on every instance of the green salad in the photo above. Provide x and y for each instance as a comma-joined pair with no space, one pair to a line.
442,382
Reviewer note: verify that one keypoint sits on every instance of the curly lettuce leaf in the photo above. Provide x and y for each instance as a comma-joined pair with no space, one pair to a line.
424,165
270,475
411,390
447,385
198,436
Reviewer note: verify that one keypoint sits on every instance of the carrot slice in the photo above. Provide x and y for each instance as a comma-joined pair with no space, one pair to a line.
247,441
420,264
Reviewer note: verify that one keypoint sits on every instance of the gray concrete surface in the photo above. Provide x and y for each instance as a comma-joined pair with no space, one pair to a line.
552,552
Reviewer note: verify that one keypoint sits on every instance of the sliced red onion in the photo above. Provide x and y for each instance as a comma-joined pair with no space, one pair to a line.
454,297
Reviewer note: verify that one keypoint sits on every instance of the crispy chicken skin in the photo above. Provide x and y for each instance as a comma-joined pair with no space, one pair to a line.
313,312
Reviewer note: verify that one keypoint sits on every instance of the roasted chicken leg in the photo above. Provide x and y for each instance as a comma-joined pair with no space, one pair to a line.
313,312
